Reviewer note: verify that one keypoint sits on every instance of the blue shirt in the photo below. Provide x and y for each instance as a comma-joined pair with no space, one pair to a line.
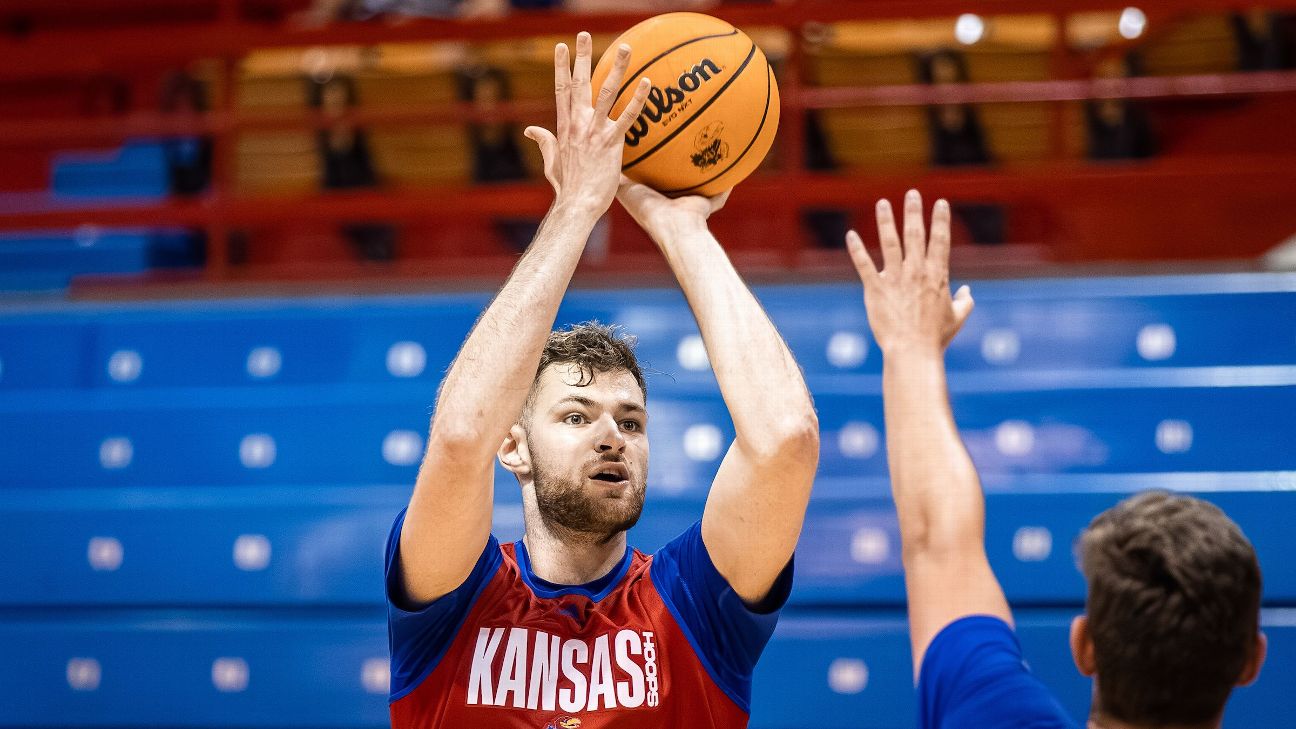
974,676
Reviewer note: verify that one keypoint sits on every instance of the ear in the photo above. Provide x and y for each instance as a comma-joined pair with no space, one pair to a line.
514,454
1251,671
1082,648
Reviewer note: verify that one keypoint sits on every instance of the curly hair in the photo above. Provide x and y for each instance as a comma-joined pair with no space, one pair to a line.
1173,608
593,347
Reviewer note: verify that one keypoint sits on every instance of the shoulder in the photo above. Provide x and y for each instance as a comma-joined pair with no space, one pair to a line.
974,675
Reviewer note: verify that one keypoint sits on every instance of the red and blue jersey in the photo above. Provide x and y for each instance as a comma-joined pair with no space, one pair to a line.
660,641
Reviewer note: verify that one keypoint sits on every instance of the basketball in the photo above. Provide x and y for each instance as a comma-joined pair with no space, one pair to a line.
713,110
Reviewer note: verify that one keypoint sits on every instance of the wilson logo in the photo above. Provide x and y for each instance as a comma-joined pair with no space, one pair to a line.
663,105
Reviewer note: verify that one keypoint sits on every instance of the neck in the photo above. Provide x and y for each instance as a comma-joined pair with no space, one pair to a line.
1098,721
568,557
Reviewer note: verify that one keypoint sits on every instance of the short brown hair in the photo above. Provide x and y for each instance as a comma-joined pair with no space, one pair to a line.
593,347
1173,608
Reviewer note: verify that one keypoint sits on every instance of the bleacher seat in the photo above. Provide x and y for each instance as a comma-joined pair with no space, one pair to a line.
853,671
194,497
134,173
145,669
151,669
319,547
137,169
53,259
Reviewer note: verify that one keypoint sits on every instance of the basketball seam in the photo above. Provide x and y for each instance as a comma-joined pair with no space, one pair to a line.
720,92
769,96
634,77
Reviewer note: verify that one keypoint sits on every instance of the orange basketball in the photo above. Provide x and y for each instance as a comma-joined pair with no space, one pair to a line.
713,109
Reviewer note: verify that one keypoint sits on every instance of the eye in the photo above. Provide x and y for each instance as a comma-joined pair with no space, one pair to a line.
574,419
634,426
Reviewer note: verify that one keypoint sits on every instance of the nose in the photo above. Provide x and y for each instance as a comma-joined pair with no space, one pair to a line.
610,437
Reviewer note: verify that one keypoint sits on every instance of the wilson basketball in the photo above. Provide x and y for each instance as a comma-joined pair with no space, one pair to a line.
713,109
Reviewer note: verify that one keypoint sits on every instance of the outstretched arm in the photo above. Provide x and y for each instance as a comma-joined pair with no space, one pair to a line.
757,503
449,516
936,489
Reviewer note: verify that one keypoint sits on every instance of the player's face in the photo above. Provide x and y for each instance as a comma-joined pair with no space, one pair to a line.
589,450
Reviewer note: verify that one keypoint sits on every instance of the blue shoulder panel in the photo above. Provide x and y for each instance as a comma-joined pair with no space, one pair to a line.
727,634
973,675
419,635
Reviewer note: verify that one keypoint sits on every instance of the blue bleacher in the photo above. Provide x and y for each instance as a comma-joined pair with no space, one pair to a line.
135,173
835,670
137,169
187,481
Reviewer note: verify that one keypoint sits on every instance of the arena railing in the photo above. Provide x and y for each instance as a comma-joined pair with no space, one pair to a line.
228,33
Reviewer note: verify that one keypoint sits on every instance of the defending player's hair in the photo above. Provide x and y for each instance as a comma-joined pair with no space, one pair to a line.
593,347
1173,608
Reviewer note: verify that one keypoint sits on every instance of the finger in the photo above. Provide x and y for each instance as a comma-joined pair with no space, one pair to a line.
860,257
915,236
631,113
891,255
562,87
548,144
581,71
963,305
939,250
607,94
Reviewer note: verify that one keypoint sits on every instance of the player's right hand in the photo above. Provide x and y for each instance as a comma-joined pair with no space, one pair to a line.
583,159
910,309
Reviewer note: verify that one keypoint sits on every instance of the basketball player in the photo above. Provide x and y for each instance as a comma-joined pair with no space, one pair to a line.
1172,613
569,627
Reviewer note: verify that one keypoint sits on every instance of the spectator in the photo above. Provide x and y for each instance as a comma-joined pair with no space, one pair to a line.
189,159
496,156
958,140
1118,128
1265,39
323,12
348,164
827,226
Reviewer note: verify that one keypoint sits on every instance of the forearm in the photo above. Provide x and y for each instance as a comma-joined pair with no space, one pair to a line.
758,377
484,390
933,481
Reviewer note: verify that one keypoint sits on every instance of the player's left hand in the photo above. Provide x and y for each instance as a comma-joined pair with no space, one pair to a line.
582,158
666,218
909,304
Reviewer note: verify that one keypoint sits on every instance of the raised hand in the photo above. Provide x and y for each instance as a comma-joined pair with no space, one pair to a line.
908,301
665,218
583,159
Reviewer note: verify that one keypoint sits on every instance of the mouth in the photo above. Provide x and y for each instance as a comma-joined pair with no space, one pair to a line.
612,473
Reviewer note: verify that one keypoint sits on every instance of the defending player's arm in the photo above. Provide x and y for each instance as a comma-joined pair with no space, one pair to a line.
935,485
448,521
757,503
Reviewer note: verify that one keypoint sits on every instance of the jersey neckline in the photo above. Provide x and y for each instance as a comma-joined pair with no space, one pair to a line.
595,590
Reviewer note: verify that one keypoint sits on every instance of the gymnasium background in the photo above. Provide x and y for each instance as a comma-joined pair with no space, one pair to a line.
240,240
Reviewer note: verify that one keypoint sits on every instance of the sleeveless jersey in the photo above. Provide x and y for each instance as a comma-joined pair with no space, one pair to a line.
661,641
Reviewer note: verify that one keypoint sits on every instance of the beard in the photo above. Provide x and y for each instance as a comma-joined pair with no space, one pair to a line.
565,501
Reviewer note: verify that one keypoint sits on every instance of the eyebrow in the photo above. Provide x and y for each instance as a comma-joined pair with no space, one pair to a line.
586,402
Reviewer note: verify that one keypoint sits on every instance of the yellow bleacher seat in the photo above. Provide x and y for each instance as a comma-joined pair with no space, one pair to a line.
421,155
1200,44
277,162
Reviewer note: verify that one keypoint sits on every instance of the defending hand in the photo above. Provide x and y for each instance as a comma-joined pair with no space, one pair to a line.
908,302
